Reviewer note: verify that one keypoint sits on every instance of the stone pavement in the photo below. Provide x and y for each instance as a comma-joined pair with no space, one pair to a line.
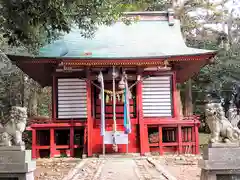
119,169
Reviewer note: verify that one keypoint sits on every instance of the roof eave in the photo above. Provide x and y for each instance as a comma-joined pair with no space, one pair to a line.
16,57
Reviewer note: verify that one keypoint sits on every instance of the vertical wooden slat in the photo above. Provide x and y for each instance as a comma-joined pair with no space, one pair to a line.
189,133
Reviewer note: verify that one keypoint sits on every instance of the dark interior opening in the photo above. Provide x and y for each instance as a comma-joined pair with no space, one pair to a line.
169,135
44,153
79,136
43,137
62,136
79,140
153,136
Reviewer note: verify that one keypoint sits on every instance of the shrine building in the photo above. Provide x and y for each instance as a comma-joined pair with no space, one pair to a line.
111,92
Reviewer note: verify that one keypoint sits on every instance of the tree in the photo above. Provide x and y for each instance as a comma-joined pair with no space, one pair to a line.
32,22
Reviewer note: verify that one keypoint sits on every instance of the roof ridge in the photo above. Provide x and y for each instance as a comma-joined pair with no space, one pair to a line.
153,15
150,13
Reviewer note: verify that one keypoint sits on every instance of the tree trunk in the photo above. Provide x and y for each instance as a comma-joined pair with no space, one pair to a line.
33,104
188,109
22,89
179,103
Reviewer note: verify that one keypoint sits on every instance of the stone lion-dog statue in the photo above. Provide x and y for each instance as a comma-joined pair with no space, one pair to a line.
220,127
11,131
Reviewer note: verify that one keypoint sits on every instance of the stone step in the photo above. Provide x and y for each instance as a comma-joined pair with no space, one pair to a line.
130,155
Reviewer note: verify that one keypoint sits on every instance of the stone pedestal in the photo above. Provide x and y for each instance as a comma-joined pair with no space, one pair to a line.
16,164
220,162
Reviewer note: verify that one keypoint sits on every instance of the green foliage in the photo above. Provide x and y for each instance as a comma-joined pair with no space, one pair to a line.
32,23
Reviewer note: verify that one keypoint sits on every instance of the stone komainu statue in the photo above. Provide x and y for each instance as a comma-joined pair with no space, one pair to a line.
11,131
220,127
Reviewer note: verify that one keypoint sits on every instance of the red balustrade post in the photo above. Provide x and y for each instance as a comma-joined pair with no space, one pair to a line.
34,144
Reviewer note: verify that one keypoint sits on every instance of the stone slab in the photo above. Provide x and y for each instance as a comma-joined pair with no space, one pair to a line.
219,165
12,148
17,176
15,156
220,162
224,145
222,153
18,167
220,175
228,177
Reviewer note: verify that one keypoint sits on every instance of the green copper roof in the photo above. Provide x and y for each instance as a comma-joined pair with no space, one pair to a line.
145,38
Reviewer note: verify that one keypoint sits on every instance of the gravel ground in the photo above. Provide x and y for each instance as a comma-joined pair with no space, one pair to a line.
181,167
54,169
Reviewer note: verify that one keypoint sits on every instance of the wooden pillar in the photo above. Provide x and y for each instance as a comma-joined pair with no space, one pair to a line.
89,116
175,97
54,98
179,131
34,143
196,139
71,141
140,116
160,140
52,143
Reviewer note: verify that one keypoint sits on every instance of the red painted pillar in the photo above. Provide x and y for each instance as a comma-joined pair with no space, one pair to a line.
52,143
140,116
89,116
34,143
179,130
160,140
193,138
175,98
54,98
72,141
196,139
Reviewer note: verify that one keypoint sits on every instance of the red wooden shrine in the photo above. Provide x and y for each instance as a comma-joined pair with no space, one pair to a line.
74,127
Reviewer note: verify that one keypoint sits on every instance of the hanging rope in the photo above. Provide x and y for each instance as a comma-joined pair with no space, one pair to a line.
101,81
122,91
115,146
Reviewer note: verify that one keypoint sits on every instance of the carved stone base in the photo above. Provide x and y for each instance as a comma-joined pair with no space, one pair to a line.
12,148
220,162
16,164
224,145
